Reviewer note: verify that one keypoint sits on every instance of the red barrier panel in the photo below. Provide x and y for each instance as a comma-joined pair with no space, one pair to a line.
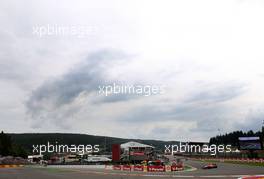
176,168
126,167
117,167
156,168
138,168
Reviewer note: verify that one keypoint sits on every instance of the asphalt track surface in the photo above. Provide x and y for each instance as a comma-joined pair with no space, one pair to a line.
224,170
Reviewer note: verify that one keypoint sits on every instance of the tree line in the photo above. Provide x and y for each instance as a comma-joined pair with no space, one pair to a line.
232,138
9,148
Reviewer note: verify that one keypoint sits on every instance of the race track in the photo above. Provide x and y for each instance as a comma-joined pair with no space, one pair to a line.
67,172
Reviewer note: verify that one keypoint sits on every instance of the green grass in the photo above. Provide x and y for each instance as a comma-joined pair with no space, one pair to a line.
186,167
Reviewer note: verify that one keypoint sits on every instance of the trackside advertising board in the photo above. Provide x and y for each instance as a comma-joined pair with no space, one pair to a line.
156,168
250,143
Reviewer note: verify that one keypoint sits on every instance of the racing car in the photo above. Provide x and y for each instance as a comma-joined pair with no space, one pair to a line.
209,166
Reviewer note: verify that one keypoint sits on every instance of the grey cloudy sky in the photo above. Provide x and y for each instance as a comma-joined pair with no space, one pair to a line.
208,55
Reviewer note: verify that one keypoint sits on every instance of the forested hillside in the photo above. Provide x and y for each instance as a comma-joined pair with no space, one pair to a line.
27,140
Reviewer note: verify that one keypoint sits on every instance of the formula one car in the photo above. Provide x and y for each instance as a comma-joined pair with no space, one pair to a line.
209,166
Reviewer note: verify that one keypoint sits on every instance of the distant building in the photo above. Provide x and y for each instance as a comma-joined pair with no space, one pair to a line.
35,158
136,152
97,159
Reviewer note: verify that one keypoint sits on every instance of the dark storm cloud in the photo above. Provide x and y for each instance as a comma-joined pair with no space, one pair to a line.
82,78
179,112
208,117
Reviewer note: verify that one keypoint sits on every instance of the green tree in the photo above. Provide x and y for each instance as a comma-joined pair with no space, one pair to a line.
5,144
19,151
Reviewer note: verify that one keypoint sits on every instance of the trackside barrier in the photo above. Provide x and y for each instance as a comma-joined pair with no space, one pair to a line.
177,168
127,167
108,167
167,168
138,168
117,167
10,166
260,160
156,168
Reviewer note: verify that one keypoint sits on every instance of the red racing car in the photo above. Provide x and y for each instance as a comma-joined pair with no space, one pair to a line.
209,166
